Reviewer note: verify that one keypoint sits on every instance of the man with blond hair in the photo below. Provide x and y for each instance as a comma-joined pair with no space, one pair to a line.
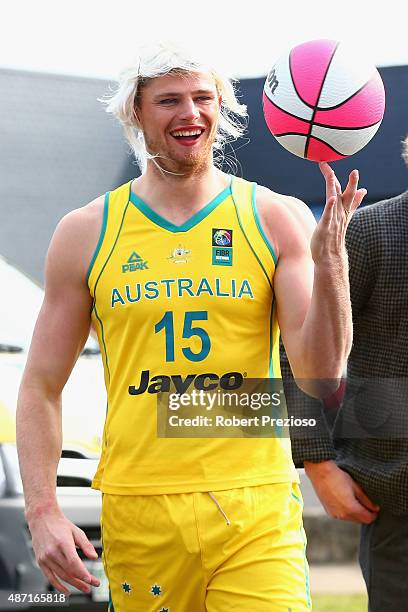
187,274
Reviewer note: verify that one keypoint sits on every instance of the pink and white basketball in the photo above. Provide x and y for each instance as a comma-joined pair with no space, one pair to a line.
322,102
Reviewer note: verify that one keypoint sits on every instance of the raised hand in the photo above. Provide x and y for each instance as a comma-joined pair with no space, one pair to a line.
328,240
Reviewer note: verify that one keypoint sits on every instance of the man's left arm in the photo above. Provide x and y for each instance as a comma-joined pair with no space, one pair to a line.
341,496
312,287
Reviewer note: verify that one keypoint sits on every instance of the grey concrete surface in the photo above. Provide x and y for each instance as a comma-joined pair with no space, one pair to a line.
336,579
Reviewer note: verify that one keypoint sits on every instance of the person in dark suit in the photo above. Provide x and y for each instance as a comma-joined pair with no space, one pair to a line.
360,473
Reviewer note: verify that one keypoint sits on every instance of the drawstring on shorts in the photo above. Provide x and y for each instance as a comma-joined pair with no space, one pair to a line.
219,507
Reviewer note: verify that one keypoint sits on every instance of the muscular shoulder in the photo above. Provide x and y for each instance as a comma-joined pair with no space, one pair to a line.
76,236
287,221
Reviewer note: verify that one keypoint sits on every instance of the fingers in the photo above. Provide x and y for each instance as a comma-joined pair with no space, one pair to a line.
358,198
330,178
359,508
77,569
87,547
328,212
362,515
59,564
83,543
352,510
350,190
338,186
351,197
70,569
325,168
64,574
54,542
346,211
329,173
364,499
52,579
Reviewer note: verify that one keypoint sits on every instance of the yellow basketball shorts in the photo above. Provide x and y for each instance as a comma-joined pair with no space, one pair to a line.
239,550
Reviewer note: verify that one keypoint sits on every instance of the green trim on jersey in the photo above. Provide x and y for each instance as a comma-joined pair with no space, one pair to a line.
299,501
96,284
101,236
271,339
306,568
184,227
112,249
249,243
103,339
110,604
259,226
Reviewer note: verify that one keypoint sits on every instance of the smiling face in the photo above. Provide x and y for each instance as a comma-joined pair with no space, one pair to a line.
179,115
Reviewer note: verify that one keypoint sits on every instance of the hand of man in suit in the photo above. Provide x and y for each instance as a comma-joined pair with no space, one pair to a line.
340,495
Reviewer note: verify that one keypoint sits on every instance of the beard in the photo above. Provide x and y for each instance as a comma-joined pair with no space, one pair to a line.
170,160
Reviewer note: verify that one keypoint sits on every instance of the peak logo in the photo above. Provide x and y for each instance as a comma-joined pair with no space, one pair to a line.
135,262
201,382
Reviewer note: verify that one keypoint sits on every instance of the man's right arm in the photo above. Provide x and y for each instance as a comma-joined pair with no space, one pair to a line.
59,336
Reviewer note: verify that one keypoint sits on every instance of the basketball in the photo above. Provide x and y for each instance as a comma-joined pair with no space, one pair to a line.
321,102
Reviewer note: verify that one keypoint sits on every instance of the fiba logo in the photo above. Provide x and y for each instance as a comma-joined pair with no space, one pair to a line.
222,237
221,247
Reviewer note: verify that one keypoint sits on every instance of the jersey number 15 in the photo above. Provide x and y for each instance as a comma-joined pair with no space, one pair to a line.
167,323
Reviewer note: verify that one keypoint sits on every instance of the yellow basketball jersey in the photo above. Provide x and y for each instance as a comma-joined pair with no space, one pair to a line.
175,302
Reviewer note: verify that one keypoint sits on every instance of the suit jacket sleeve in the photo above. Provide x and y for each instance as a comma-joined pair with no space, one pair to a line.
358,238
308,443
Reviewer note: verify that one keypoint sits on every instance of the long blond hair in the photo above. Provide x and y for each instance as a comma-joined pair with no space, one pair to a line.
158,60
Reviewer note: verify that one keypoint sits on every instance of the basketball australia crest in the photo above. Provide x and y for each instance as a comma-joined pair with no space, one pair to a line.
180,255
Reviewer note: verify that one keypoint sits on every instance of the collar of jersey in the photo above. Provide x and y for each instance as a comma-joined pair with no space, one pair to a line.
190,223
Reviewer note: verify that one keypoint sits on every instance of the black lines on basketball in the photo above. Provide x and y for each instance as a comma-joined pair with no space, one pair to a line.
318,99
327,145
294,84
311,138
284,110
344,127
327,108
290,134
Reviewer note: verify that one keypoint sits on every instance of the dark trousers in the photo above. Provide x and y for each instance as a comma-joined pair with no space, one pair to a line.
384,562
